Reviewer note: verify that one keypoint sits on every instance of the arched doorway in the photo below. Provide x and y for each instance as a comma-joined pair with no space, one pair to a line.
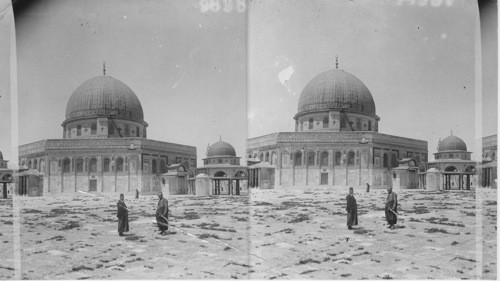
470,171
452,178
6,179
221,183
241,181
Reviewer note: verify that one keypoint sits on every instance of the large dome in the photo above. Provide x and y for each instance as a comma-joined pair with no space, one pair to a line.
221,148
452,143
104,96
336,89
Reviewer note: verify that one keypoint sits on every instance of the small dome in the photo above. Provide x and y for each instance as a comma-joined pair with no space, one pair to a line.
432,170
221,148
336,89
452,143
104,96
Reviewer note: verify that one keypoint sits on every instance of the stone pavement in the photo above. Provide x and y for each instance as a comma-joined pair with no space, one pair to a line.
294,233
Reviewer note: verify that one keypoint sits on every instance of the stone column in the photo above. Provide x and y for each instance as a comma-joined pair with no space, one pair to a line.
331,163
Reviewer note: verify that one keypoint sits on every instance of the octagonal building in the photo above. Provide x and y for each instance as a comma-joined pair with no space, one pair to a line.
104,146
336,140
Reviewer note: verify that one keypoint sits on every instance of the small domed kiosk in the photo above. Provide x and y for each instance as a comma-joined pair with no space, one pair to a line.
453,166
223,168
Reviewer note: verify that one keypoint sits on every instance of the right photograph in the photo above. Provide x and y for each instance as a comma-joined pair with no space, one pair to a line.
372,139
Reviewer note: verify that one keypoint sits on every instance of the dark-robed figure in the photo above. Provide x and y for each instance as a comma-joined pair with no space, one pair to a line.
352,209
162,214
122,215
391,208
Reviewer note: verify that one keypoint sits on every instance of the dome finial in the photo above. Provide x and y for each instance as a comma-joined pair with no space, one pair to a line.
104,68
220,138
337,61
451,131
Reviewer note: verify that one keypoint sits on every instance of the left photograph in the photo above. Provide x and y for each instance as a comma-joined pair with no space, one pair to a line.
9,222
132,115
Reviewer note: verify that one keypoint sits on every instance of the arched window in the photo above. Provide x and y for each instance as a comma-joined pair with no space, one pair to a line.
493,156
267,156
163,166
105,165
261,157
386,160
350,158
220,174
343,122
154,167
470,169
326,122
338,158
311,123
310,158
285,157
119,164
324,158
394,160
79,165
298,159
29,164
66,165
450,169
273,158
42,166
35,164
93,165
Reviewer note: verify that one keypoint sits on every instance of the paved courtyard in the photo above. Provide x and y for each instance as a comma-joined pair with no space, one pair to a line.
297,233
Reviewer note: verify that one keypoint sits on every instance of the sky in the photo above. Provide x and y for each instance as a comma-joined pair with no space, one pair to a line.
417,60
6,25
186,65
204,74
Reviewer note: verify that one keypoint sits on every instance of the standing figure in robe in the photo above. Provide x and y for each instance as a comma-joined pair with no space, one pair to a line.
352,209
122,215
162,214
391,208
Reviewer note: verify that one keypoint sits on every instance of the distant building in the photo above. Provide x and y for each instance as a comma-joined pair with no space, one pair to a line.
489,163
6,177
222,167
452,168
104,146
336,140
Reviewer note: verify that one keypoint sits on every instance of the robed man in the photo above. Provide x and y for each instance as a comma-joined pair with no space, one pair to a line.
391,208
162,214
352,209
122,215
